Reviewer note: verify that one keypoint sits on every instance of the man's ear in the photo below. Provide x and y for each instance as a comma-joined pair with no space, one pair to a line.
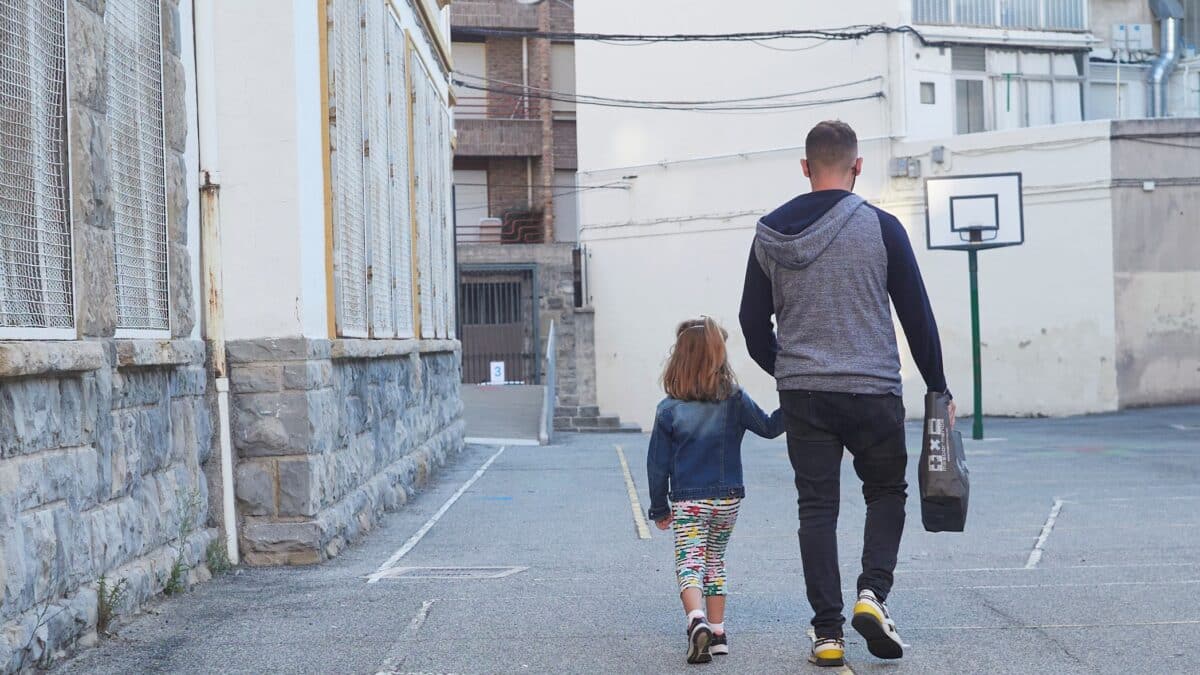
804,168
858,167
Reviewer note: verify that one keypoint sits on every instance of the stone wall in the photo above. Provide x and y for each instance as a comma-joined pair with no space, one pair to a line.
330,435
103,441
102,444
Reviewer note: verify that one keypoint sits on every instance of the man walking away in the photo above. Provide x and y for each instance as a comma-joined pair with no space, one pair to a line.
824,264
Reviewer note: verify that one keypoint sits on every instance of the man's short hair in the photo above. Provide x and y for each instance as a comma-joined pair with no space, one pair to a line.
831,144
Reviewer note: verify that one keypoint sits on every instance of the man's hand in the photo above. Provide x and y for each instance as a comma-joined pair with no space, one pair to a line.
665,523
951,412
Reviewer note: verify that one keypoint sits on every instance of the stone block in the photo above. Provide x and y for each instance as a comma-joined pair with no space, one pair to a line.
300,487
135,387
87,65
307,375
179,271
19,359
282,543
277,349
252,378
256,487
95,279
91,187
175,118
189,381
271,424
171,40
177,199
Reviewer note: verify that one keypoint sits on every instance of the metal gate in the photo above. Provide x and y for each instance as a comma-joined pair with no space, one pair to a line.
499,319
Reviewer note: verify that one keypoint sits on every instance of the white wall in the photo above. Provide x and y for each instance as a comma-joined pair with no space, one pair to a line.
272,176
272,205
675,241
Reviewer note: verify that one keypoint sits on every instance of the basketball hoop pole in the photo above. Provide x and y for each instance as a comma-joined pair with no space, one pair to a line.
973,265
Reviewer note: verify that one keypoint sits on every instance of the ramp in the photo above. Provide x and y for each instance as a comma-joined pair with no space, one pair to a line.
509,414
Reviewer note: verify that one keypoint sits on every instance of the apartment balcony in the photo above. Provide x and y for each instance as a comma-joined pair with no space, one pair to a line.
498,125
1031,15
509,14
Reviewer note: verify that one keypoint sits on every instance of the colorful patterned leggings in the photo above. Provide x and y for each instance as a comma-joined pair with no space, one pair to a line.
702,530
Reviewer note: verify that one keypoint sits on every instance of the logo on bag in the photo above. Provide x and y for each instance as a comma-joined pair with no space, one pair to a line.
937,445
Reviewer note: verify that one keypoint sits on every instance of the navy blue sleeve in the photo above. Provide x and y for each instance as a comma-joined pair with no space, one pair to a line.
754,419
912,302
658,466
755,316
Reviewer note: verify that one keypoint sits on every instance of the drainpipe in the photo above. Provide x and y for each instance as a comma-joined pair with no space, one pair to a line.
210,253
1168,13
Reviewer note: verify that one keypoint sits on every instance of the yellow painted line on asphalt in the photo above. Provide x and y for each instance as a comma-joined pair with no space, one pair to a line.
639,520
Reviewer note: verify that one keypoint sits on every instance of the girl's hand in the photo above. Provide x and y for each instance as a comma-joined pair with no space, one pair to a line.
665,523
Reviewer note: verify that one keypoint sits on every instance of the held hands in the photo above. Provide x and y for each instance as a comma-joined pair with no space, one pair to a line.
665,523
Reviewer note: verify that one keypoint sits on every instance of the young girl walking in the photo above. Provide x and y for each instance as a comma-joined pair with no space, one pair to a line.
694,470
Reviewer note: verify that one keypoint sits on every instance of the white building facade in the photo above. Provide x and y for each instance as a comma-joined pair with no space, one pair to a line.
1097,310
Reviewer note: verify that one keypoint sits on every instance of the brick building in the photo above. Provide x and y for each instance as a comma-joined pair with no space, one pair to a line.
516,200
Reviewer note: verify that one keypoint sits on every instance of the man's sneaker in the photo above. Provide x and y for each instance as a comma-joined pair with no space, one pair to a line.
719,646
828,652
699,637
872,621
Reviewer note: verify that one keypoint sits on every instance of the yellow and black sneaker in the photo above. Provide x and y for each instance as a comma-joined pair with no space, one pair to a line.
871,620
828,652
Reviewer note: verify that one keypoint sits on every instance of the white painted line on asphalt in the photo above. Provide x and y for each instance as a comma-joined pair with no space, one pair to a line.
1184,427
639,520
416,538
398,652
1035,556
475,440
1044,626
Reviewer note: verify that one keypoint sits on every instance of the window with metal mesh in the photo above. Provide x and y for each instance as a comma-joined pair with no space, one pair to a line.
347,146
35,235
398,192
379,217
135,116
424,190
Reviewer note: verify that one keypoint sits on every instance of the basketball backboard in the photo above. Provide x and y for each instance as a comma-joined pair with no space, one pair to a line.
974,212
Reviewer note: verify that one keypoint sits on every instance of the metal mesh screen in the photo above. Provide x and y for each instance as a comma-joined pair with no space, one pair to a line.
135,115
346,138
379,216
423,182
35,240
398,146
448,281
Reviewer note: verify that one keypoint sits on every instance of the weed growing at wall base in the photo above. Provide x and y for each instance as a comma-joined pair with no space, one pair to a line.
108,598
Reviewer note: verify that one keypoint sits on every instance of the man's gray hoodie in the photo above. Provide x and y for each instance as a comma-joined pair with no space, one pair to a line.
826,275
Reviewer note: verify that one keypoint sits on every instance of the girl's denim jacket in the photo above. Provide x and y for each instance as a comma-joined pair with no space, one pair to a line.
696,449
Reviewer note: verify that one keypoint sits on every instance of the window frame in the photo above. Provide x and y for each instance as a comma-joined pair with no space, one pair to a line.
62,334
151,333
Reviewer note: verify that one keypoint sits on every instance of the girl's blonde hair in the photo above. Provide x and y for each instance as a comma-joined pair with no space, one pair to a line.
698,368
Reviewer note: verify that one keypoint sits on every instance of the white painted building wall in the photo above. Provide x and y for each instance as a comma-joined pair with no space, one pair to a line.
674,243
270,120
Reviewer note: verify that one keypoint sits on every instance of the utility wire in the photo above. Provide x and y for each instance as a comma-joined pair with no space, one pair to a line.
713,106
520,89
854,32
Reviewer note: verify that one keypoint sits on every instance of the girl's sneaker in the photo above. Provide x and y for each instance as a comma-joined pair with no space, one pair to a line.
828,652
699,637
872,621
719,646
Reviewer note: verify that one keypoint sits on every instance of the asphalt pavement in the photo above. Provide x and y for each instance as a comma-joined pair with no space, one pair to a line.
572,587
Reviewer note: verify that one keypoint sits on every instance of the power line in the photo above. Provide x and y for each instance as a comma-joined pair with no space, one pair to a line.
520,89
710,106
854,32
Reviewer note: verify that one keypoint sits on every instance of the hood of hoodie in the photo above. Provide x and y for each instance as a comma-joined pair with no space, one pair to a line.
797,233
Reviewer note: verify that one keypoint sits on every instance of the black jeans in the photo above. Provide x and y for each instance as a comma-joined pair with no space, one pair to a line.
819,424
